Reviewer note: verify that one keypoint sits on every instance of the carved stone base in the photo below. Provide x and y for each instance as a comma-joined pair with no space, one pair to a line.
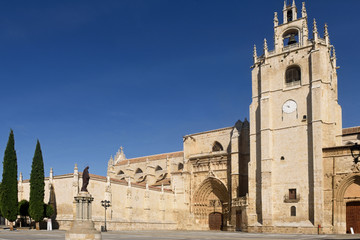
83,227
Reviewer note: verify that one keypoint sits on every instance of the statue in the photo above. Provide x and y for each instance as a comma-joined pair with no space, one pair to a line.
85,177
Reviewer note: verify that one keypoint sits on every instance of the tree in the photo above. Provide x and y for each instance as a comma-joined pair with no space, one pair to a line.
9,201
0,199
48,210
37,184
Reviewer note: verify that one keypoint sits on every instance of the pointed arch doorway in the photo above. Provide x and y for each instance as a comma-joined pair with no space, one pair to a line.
347,205
210,204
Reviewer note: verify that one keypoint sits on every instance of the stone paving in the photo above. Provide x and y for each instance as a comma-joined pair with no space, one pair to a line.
165,235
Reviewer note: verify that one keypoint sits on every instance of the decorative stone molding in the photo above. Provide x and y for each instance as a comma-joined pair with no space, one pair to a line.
240,202
355,168
287,199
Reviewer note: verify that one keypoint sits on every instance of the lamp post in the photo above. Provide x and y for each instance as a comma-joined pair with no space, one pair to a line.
105,204
355,152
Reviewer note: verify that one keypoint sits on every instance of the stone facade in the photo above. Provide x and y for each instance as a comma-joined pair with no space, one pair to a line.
289,170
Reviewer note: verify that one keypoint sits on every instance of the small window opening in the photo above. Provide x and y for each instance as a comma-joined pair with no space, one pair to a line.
138,171
282,158
292,194
158,168
180,166
304,118
293,211
217,147
289,16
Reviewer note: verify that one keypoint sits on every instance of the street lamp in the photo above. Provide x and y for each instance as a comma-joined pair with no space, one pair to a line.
105,204
355,152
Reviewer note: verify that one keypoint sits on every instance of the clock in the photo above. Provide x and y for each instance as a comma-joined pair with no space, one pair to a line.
289,106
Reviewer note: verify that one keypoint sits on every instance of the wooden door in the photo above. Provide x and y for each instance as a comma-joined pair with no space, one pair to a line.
215,221
353,216
238,220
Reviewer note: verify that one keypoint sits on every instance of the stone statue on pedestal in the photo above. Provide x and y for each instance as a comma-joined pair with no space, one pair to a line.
83,227
86,178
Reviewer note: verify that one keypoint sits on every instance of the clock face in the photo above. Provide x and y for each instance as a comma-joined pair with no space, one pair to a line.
289,106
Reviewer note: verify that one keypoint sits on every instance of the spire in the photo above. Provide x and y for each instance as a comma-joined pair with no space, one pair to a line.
266,52
284,5
315,31
255,54
326,35
276,20
293,3
303,10
20,177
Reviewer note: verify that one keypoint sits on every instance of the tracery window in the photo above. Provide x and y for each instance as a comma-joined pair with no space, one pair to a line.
293,75
217,147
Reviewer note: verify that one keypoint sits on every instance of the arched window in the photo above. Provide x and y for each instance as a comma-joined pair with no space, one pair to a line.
217,147
289,16
158,168
293,75
180,166
121,174
138,171
293,211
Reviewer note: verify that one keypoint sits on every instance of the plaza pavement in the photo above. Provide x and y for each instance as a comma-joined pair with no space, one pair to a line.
165,235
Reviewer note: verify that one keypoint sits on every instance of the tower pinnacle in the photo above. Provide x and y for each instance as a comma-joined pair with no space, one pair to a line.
255,54
276,20
266,52
303,10
315,31
326,35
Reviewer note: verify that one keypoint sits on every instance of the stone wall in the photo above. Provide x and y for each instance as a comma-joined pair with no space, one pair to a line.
133,206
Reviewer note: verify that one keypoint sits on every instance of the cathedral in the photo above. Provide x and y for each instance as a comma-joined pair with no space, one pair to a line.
289,169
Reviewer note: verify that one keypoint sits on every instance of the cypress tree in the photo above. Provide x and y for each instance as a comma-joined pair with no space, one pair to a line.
37,184
9,187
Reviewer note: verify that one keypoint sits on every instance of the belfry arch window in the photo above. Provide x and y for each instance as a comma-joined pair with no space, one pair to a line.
138,171
293,76
291,38
217,147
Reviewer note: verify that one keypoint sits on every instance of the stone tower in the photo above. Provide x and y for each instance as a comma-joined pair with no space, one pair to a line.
294,114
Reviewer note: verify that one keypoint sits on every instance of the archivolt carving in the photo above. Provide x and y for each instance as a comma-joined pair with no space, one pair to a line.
343,183
208,186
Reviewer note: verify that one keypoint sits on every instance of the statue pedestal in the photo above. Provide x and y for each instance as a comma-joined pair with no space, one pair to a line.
83,227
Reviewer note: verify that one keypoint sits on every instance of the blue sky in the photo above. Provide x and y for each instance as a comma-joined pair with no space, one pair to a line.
86,77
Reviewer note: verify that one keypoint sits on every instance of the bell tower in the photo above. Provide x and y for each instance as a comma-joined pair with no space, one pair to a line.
294,114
